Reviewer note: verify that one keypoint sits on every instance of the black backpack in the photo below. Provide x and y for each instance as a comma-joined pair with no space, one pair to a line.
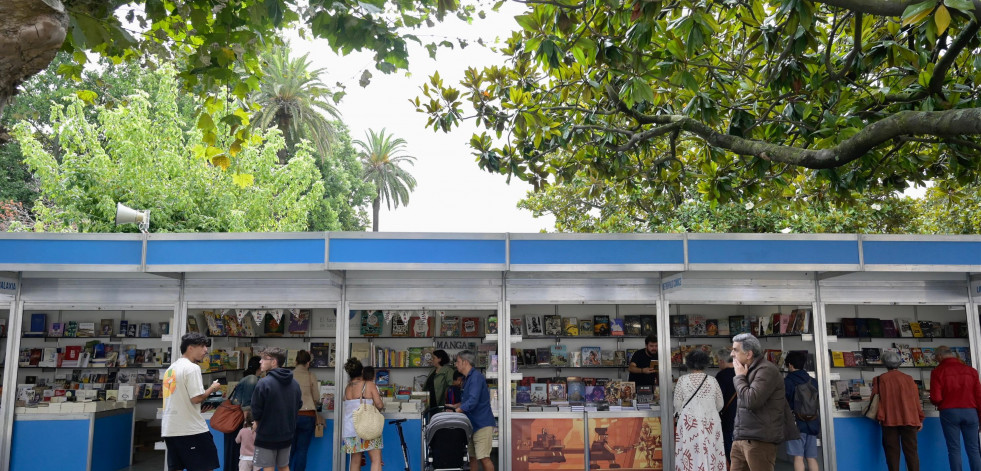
806,407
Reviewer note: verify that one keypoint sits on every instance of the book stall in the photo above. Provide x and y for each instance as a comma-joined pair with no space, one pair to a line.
90,323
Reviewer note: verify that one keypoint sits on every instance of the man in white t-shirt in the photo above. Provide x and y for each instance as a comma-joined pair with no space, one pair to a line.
190,445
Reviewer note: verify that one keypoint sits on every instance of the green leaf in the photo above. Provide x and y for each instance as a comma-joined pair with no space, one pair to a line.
87,96
965,6
917,12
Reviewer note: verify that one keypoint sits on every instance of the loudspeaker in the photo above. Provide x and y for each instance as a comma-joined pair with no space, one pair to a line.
127,215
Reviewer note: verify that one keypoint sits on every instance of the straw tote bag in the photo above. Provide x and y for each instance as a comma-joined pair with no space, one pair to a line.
368,422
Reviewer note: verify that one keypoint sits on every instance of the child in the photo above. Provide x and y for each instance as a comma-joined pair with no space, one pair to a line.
454,394
246,437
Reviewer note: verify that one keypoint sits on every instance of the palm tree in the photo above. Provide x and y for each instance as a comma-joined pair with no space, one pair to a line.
294,100
382,156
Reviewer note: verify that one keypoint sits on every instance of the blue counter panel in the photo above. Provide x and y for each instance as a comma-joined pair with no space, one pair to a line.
71,252
785,252
319,456
235,252
417,251
858,445
112,450
881,252
597,252
392,447
44,445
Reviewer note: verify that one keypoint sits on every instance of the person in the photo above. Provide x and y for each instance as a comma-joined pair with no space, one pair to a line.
900,413
763,418
308,417
242,396
358,390
246,441
697,402
276,402
454,393
439,379
805,447
189,442
728,413
955,389
643,371
476,405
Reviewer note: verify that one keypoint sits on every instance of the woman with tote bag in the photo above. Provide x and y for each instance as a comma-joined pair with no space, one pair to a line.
357,393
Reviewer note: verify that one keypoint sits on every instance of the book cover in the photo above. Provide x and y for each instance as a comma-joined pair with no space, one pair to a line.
144,329
596,393
449,326
632,326
905,354
679,325
696,326
905,330
601,326
872,356
570,326
608,358
559,355
915,327
39,325
711,327
533,325
648,325
516,327
585,327
889,329
300,322
754,325
929,356
553,325
192,325
492,324
471,327
419,328
529,357
875,328
400,328
803,322
539,393
849,359
86,329
557,392
735,325
838,359
617,327
859,358
320,354
543,355
917,355
57,329
105,327
785,322
591,356
372,323
849,327
770,324
576,391
382,378
523,394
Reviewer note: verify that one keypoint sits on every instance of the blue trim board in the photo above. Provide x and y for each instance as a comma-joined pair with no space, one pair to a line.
597,252
71,252
455,251
927,252
858,445
758,252
111,448
235,252
50,444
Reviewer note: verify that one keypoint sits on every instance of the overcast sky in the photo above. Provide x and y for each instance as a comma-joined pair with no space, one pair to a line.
453,194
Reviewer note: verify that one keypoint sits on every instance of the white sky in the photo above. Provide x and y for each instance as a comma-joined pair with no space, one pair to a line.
453,194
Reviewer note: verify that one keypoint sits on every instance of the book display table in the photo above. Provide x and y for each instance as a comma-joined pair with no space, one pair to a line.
321,448
94,441
858,442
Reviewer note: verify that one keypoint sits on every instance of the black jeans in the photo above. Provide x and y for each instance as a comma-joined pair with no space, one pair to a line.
892,439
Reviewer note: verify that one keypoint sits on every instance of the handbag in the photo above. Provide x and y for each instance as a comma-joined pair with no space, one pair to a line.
228,417
318,431
872,410
368,421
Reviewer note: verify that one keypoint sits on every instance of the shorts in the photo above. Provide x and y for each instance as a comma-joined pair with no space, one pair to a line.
192,452
246,464
481,443
266,458
805,446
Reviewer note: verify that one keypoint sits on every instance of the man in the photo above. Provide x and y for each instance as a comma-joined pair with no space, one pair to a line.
276,402
725,378
476,405
955,389
805,447
189,443
642,369
763,415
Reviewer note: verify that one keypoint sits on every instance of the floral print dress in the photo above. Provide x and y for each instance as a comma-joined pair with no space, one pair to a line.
698,433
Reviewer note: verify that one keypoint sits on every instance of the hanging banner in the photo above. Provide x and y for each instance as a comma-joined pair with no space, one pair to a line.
388,316
240,314
404,316
258,315
277,314
424,317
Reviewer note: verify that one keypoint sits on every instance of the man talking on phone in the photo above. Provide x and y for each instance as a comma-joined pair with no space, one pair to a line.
190,445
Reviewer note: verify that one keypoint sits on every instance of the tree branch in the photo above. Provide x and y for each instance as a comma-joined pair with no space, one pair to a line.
940,70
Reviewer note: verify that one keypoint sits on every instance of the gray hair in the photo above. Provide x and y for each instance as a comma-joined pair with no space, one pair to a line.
944,351
750,344
891,359
724,355
467,356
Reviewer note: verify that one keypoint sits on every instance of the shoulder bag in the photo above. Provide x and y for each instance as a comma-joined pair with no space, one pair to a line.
228,417
872,410
368,421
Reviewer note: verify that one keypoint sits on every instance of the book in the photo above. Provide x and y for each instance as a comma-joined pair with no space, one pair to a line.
859,358
917,355
576,391
849,358
785,323
586,327
838,359
648,325
400,328
596,393
449,326
39,325
492,324
144,329
905,329
738,325
418,328
601,326
553,325
539,393
543,356
632,326
711,328
134,330
889,328
529,357
516,327
696,326
917,330
591,356
679,325
570,326
523,394
533,325
559,355
872,356
557,392
470,327
57,329
616,327
300,322
929,356
192,325
372,323
875,328
320,355
105,327
86,329
849,327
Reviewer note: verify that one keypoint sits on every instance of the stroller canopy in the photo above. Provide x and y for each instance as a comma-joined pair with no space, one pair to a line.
447,420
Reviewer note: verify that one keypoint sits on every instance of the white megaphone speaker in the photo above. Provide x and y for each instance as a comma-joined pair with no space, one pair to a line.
127,215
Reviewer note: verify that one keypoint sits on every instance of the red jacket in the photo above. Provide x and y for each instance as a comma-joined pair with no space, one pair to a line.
954,385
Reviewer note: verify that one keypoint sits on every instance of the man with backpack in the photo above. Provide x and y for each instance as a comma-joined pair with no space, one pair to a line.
802,395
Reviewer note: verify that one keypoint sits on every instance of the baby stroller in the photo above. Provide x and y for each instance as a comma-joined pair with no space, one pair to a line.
447,437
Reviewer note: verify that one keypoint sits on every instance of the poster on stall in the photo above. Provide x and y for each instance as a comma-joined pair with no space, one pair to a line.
547,443
625,443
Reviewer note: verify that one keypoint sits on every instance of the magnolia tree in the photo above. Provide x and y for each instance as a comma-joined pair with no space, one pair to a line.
138,153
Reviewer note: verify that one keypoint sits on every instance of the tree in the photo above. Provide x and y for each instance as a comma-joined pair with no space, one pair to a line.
142,154
732,99
347,194
217,43
382,157
292,98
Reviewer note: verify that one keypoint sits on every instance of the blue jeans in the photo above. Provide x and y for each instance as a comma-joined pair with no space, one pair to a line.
301,442
956,422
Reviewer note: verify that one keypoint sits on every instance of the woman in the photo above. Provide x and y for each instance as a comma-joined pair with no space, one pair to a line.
356,391
697,402
439,379
241,395
308,418
900,413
